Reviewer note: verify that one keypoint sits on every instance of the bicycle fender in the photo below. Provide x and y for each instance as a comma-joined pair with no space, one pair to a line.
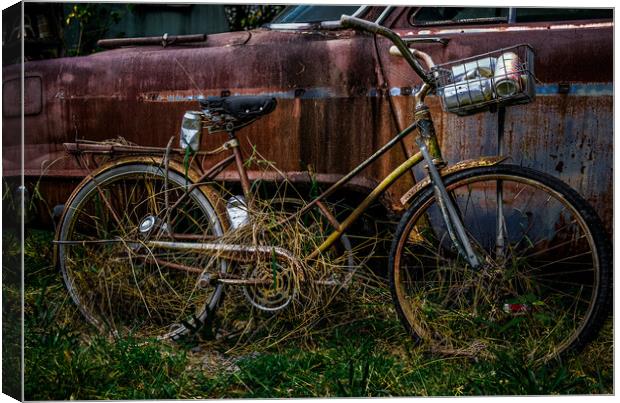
460,166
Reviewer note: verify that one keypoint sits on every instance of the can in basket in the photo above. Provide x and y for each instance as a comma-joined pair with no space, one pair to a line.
467,92
507,75
475,84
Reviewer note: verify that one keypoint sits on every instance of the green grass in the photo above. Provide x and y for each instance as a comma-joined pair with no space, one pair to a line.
366,355
11,314
61,366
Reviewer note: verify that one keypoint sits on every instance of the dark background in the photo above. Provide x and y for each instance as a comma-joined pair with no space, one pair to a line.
73,29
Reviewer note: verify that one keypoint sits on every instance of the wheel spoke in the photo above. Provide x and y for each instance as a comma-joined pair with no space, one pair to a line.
538,294
122,285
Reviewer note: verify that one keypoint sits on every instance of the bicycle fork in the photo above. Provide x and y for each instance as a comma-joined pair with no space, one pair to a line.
449,212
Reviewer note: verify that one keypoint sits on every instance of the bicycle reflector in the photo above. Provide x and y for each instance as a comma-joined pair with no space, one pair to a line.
191,128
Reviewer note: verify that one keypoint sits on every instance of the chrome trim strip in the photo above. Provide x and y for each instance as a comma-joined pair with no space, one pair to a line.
545,89
291,25
384,15
360,11
510,28
512,15
330,25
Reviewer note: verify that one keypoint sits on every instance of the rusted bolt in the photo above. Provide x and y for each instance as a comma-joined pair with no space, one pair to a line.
207,280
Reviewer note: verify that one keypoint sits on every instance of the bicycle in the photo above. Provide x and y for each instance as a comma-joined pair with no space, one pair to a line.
487,256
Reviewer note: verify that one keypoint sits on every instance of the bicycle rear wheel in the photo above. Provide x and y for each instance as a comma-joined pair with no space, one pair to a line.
118,283
545,292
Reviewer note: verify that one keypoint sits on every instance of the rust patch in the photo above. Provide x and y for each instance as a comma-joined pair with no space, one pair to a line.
479,162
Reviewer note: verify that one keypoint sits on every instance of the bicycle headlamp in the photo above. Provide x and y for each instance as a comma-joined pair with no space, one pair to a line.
191,128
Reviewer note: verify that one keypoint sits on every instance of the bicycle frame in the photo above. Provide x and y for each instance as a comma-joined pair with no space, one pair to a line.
433,263
429,151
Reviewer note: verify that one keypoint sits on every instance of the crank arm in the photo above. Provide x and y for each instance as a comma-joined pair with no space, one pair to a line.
216,278
245,282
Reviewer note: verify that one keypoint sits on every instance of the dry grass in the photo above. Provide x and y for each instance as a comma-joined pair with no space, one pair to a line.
278,294
128,286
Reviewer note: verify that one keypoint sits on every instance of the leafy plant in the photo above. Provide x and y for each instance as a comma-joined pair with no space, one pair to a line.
245,17
93,21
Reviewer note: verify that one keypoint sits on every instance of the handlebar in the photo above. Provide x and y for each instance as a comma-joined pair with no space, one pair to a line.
363,25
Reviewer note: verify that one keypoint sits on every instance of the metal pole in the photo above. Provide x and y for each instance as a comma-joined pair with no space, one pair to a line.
500,240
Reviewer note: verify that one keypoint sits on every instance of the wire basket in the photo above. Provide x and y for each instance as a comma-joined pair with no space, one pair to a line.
499,78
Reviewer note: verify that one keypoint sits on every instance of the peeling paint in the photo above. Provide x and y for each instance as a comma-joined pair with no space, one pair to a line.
578,89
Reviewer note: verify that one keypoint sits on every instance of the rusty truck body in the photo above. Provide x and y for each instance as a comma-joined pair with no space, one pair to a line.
340,96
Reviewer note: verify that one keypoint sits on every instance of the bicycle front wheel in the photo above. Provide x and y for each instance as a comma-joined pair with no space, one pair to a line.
545,280
118,283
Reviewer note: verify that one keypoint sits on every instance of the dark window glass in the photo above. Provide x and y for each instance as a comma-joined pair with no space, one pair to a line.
562,14
300,14
458,15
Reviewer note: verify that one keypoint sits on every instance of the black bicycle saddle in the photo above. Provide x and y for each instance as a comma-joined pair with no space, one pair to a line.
244,107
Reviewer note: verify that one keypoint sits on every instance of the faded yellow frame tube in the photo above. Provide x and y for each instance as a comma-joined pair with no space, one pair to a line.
382,187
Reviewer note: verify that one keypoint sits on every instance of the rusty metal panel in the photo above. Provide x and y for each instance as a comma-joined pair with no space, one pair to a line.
338,101
567,131
103,96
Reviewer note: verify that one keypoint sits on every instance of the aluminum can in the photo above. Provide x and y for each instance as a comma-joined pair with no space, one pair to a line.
467,92
516,308
484,67
507,75
237,211
191,128
527,85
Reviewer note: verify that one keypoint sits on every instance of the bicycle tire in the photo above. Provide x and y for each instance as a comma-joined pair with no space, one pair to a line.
126,292
517,300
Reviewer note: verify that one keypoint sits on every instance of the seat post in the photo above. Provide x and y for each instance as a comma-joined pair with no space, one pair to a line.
243,174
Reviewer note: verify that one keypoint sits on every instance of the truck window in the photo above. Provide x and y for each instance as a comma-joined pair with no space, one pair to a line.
562,14
306,14
457,15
